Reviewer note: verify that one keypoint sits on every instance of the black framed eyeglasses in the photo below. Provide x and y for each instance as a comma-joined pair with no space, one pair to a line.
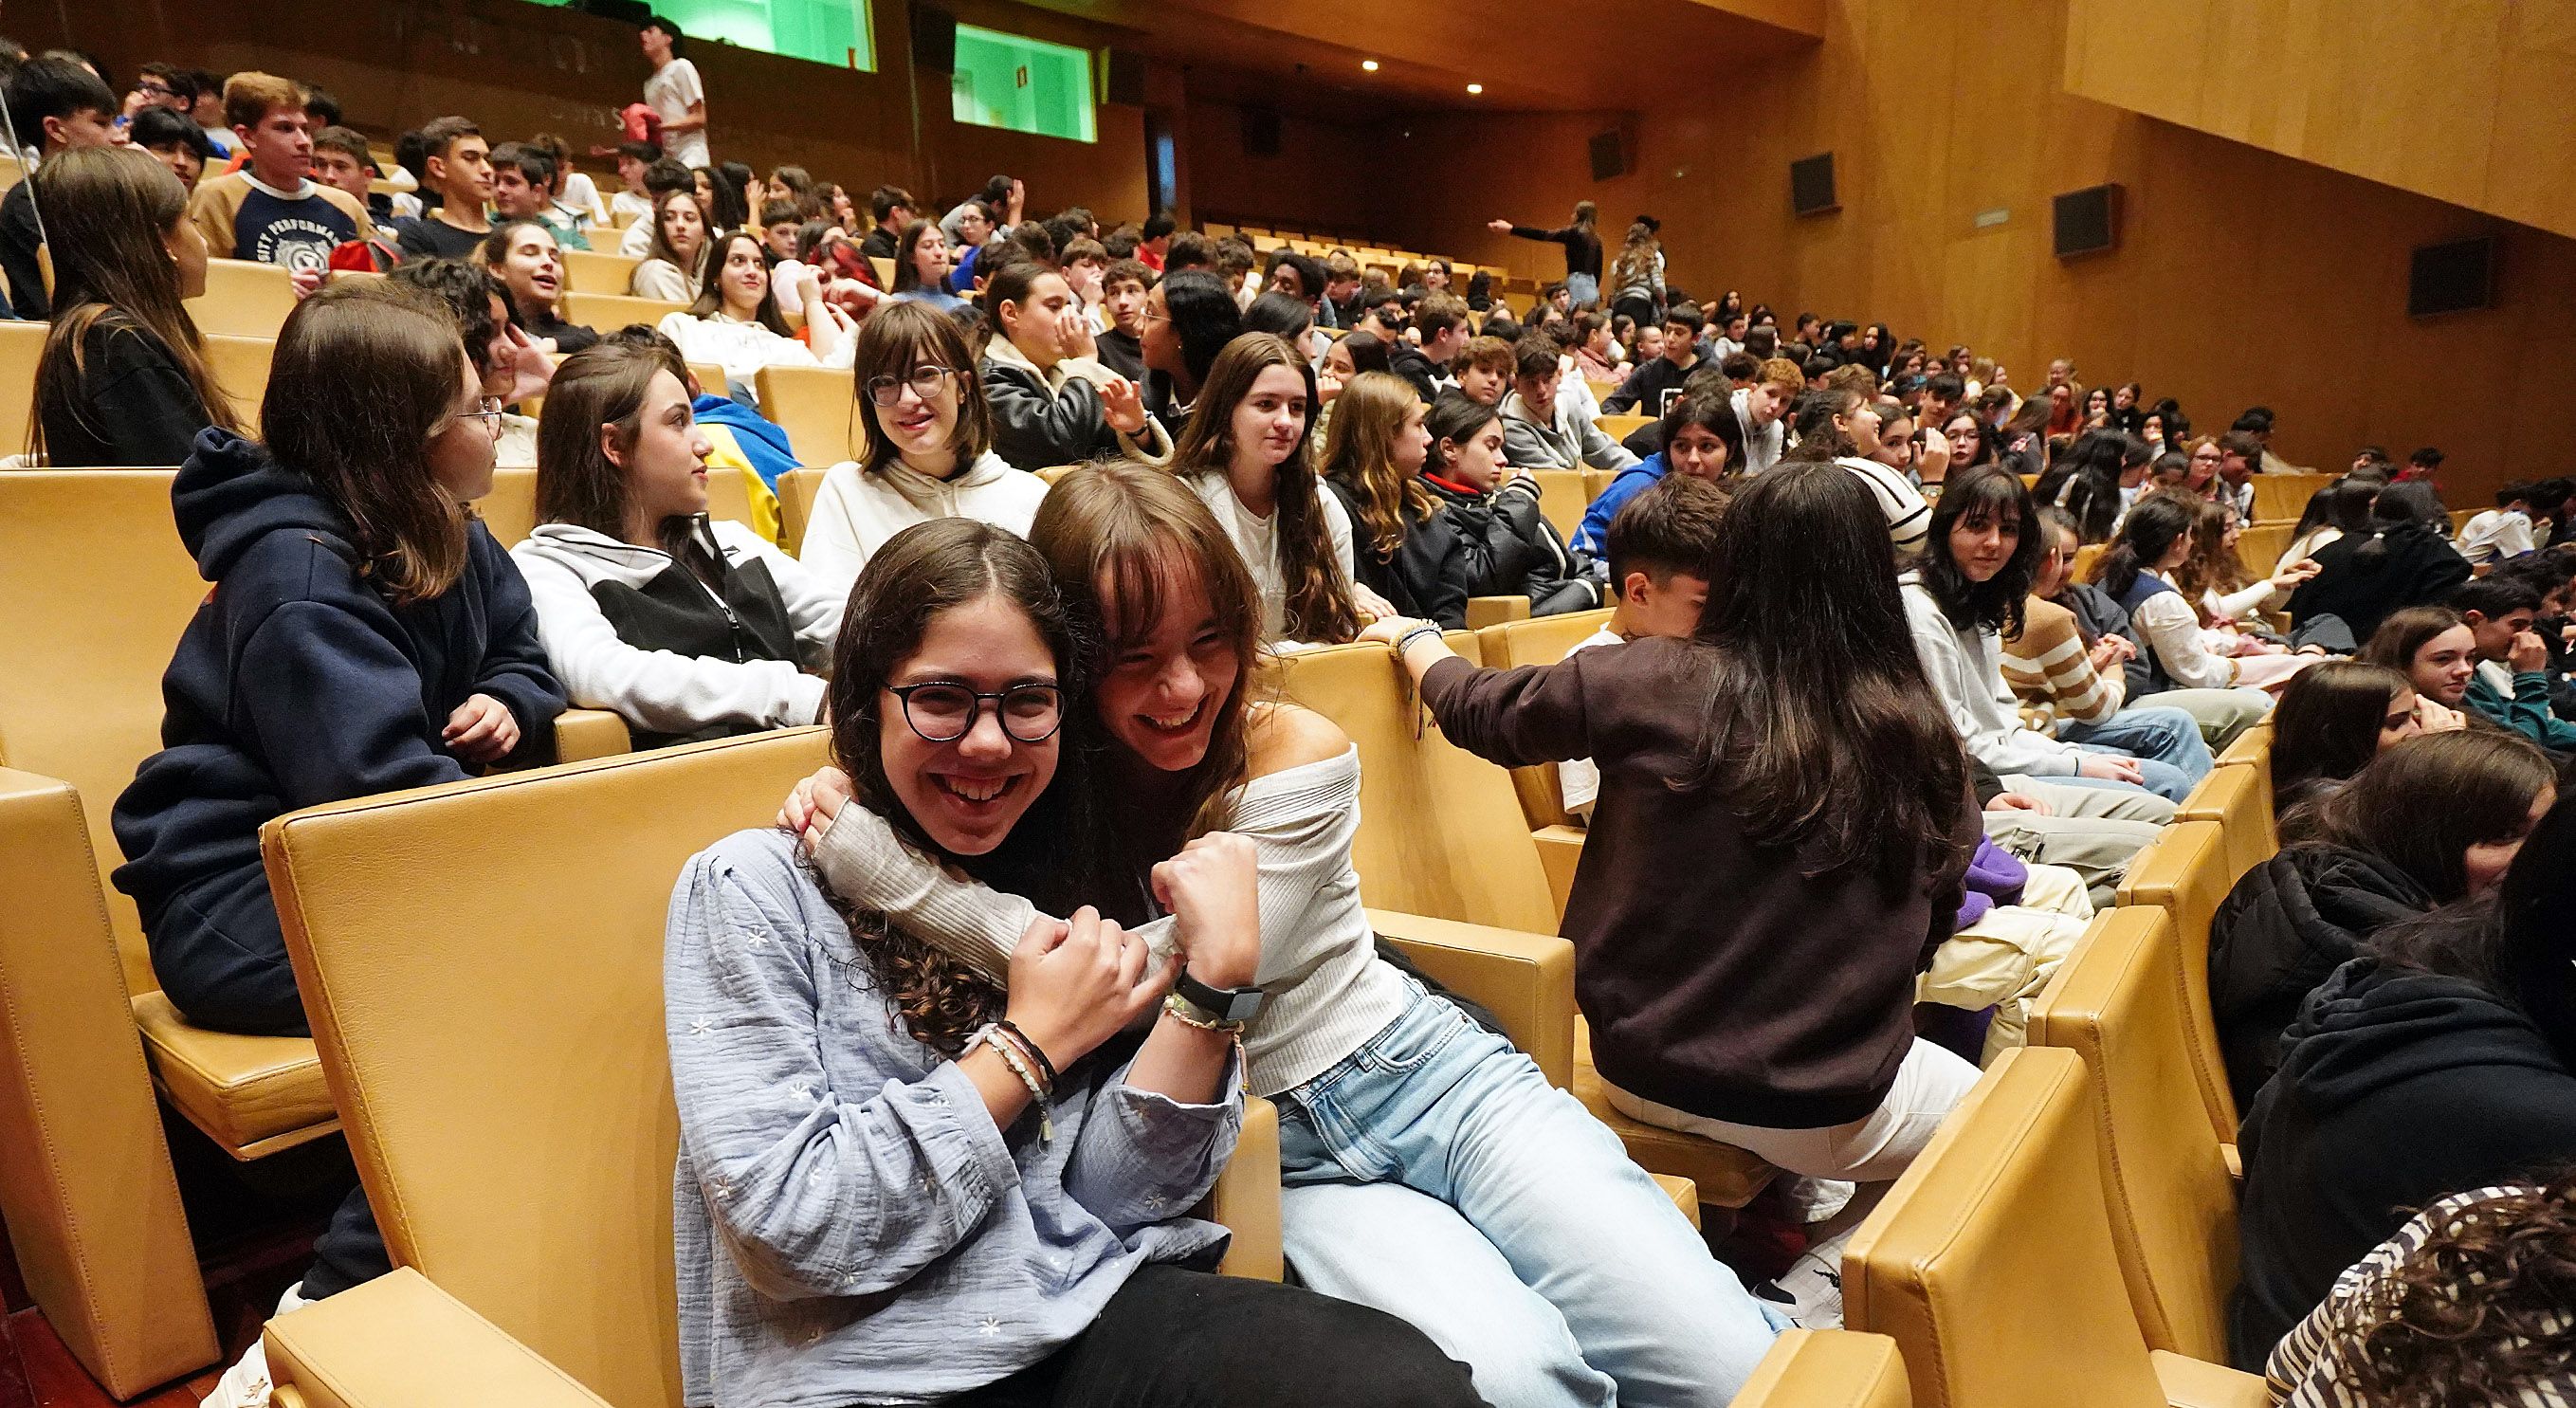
943,711
924,381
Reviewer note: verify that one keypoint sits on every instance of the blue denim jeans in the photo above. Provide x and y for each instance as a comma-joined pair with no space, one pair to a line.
2172,756
1435,1174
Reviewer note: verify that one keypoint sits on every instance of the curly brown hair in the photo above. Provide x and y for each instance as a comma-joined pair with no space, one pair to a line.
918,573
2480,1311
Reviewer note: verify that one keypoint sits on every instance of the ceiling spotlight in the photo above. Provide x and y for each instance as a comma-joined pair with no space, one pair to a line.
1475,88
1368,65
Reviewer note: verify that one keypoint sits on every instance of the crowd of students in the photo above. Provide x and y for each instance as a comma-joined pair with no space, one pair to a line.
1858,744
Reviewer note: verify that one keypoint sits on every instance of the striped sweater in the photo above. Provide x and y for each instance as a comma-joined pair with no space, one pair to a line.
2051,672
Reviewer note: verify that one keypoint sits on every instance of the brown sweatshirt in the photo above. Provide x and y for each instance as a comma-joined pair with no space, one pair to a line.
1717,978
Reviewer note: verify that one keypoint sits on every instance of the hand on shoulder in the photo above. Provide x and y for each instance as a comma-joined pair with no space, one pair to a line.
1284,736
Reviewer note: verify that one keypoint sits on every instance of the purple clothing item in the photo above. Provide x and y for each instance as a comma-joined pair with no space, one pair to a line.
1994,877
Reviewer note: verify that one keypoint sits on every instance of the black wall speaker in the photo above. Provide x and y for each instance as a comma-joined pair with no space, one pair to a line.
1260,132
2451,278
1811,185
634,12
1609,155
934,39
1126,78
2086,221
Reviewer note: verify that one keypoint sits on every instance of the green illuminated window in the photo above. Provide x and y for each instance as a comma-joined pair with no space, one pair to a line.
831,32
1025,85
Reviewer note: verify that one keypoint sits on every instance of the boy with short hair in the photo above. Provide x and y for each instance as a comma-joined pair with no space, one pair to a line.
1086,266
779,228
207,111
631,204
456,163
1441,319
1538,430
272,210
174,141
1660,545
2501,532
1158,242
893,207
1123,290
2511,686
1484,369
342,162
1655,382
56,105
1762,411
523,188
675,92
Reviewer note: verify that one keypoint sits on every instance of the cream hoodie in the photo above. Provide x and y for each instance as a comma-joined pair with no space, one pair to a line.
857,509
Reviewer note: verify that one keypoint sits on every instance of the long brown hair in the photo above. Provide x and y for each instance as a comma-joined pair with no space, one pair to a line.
603,386
2212,566
693,270
395,351
107,212
2424,802
711,289
899,337
922,571
1319,596
1122,539
1359,451
2477,1314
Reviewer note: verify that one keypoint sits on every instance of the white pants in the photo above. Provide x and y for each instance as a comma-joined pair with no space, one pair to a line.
2009,954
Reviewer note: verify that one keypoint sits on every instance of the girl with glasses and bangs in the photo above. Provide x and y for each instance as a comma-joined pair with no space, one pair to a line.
929,447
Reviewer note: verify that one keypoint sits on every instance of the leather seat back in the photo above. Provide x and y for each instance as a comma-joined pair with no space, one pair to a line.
1813,1368
2234,797
22,345
608,312
240,367
1561,499
1542,640
796,490
1990,1262
2185,874
1441,832
818,408
483,966
243,298
2118,1003
510,509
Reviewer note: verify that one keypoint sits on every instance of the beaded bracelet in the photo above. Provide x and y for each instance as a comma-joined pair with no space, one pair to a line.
989,1036
1405,642
1034,1051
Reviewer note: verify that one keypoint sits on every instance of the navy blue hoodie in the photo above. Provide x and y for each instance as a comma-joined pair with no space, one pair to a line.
2396,1088
297,683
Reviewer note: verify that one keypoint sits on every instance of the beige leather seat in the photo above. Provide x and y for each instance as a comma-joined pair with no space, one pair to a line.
243,298
607,312
2118,1003
1561,499
1620,427
819,410
1992,1266
240,367
510,509
2239,800
796,490
599,271
2185,874
1544,641
2281,498
1828,1369
22,345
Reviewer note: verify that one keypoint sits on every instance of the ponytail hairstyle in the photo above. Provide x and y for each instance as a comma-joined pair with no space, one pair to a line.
2086,480
1820,725
2410,506
1319,596
1819,438
396,351
1986,494
2328,721
108,211
1454,419
2343,506
1359,453
2157,522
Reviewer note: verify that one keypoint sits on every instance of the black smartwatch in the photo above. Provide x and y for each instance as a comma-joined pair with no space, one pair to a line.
1231,1006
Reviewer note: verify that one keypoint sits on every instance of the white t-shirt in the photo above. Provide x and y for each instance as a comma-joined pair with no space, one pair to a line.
2496,534
671,91
1257,538
1579,779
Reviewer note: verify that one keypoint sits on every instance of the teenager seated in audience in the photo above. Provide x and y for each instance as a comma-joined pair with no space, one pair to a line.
2437,653
1430,1169
365,634
800,1277
2405,559
122,379
1970,592
458,167
2466,1304
1290,319
2405,833
1125,291
1596,352
523,256
689,627
1783,818
572,198
2332,720
675,263
2510,688
631,203
1374,451
1189,319
735,322
2097,481
56,106
1441,321
1701,437
1488,536
2332,512
928,436
523,188
1483,369
2138,573
1053,402
724,189
2213,578
1837,425
921,268
271,210
1660,545
740,442
661,178
1762,412
2492,535
1344,358
1657,381
2437,1061
173,141
1246,453
512,368
1540,429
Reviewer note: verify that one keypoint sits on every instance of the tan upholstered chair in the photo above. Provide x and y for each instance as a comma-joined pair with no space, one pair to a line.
240,367
819,410
796,490
1561,499
1991,1262
1828,1369
2118,1003
1544,641
2281,498
599,271
2185,874
243,298
2239,800
607,311
2259,546
1620,427
2253,749
22,345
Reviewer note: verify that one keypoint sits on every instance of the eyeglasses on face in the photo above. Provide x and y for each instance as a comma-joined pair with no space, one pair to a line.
489,411
924,381
943,711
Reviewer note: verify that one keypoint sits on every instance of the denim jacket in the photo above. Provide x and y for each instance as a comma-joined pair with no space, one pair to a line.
851,1227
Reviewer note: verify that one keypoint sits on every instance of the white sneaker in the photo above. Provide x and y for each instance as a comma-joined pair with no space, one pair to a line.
1812,1200
1810,1293
245,1384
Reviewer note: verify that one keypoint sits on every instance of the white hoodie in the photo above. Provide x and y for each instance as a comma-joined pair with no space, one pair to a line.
857,509
662,691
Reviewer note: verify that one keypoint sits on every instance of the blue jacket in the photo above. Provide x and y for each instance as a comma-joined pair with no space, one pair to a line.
1594,536
298,683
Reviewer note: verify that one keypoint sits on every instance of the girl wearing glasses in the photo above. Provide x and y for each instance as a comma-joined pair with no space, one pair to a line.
690,628
903,1180
929,434
1430,1170
365,634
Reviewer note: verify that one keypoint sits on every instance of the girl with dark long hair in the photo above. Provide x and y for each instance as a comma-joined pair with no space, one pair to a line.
2406,559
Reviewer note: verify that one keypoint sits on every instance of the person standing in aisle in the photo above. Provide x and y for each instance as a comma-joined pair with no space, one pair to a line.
1582,252
676,94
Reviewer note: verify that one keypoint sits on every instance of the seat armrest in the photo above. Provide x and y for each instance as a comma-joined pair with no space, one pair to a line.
590,733
1560,849
1483,611
1525,980
1246,1197
400,1342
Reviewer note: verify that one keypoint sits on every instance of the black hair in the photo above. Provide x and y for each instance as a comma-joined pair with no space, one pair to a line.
2086,480
157,127
1986,493
2494,597
2257,420
671,27
2408,507
1685,314
466,290
1157,226
1204,316
51,87
1949,386
2343,506
1283,314
2154,525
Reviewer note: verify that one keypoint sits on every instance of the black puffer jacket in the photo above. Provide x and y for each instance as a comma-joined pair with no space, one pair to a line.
2416,566
1493,544
2288,924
